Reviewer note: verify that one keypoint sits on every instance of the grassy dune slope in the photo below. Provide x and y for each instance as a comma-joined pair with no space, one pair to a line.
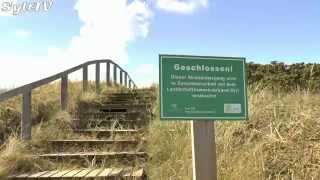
280,141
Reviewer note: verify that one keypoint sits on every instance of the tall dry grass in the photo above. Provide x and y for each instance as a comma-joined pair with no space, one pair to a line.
281,140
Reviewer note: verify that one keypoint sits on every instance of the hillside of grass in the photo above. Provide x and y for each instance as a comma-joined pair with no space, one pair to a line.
281,139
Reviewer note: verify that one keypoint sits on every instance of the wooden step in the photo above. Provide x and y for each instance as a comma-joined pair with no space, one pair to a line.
108,133
129,131
94,141
130,124
74,145
93,154
128,173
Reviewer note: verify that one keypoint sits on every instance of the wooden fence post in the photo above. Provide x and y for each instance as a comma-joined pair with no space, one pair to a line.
85,77
108,73
121,78
64,92
114,74
26,121
130,83
125,79
98,77
204,158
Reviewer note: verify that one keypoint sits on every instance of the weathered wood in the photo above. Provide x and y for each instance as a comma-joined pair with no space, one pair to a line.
114,74
93,173
130,83
121,78
64,92
108,73
72,173
85,77
36,175
115,172
98,77
61,173
203,150
95,154
26,121
83,173
125,79
36,84
105,172
49,174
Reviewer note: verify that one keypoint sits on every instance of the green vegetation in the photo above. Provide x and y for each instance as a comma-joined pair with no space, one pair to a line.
283,78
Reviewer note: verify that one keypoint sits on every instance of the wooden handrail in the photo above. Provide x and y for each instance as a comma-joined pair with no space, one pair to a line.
26,90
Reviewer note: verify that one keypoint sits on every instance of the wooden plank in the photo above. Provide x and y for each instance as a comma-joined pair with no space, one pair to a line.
23,175
203,150
17,91
83,173
26,121
107,130
115,172
105,172
94,173
94,141
121,78
93,154
85,77
72,173
108,73
64,93
114,74
60,173
127,172
138,173
39,174
98,77
50,173
126,79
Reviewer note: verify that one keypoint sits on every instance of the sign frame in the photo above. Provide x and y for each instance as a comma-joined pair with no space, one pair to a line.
196,57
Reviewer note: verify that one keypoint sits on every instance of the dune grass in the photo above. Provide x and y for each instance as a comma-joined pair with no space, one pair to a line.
281,140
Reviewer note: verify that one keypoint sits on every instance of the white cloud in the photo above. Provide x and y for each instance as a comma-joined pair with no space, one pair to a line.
22,33
108,27
181,6
145,74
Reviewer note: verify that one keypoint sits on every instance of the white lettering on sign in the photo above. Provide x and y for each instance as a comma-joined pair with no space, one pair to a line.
202,68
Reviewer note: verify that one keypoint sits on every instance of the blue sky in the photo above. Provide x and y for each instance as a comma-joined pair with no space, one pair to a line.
261,31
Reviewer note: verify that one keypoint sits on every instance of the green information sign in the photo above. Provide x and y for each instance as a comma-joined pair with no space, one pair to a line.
202,88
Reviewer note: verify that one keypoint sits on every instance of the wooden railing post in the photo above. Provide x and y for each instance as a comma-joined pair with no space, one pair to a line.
98,77
64,92
130,83
26,121
121,78
108,73
126,79
85,77
114,74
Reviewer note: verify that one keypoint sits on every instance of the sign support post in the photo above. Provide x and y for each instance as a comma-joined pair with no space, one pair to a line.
204,159
203,89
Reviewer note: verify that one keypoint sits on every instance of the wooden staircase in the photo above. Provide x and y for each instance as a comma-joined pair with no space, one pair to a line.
111,142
